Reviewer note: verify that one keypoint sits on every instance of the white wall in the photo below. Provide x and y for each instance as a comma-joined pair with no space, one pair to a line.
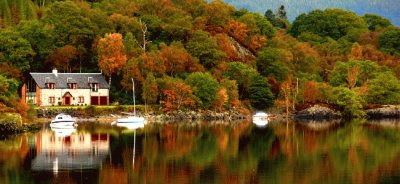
76,93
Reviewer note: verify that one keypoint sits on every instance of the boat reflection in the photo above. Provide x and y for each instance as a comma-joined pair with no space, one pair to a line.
66,149
63,132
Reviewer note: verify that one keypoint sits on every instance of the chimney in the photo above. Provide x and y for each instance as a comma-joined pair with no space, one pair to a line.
55,72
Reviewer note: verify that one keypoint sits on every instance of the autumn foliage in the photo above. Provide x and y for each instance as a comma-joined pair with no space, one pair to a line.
111,53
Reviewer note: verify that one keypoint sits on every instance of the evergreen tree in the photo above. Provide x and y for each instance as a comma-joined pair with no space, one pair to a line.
261,96
270,15
281,13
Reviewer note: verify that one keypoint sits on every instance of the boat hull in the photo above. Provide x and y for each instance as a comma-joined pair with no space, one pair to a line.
260,119
63,124
131,120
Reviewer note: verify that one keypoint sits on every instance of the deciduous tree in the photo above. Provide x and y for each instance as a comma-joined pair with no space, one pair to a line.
204,87
111,52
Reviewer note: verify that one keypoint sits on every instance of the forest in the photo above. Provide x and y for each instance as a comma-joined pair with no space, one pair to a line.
200,55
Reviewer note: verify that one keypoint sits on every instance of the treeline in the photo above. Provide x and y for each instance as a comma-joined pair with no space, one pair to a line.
194,54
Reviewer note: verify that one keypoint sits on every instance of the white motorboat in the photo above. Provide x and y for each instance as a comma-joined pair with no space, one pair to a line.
132,118
260,119
63,120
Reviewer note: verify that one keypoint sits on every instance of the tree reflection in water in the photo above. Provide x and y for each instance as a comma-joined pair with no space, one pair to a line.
304,152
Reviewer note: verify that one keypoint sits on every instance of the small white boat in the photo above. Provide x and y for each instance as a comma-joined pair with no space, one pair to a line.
260,119
63,120
131,119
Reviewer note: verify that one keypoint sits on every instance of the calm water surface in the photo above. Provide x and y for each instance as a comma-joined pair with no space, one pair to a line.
208,152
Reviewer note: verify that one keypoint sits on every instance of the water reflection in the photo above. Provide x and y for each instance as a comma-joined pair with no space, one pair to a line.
303,152
61,149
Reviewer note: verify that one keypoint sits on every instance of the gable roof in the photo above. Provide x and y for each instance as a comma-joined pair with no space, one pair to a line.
81,79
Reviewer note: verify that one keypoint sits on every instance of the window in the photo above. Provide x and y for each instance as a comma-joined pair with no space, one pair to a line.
72,85
52,99
81,99
50,85
95,87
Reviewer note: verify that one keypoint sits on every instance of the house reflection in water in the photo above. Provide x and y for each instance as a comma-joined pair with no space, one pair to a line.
77,151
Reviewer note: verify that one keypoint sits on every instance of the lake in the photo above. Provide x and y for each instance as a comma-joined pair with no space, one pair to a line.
206,152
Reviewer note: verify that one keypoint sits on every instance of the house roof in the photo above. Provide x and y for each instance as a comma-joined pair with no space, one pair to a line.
61,80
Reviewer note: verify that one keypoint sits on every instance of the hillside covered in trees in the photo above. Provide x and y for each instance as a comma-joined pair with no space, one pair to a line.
389,8
194,54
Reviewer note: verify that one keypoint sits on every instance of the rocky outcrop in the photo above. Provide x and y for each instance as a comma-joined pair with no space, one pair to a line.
386,111
193,115
318,112
242,52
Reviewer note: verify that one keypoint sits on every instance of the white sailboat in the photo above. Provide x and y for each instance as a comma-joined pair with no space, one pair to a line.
260,119
132,118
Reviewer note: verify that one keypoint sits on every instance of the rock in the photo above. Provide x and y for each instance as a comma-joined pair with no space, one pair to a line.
318,112
386,111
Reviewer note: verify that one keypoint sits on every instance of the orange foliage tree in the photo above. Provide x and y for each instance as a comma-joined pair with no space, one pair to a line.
237,30
111,52
223,42
177,59
310,92
152,62
177,95
62,57
222,99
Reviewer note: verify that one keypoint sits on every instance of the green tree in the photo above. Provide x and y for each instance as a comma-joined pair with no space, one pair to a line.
242,74
12,12
376,22
270,63
129,43
15,49
204,87
390,41
176,23
68,23
261,96
269,14
350,101
150,89
334,23
41,39
203,46
8,91
265,26
384,89
357,72
232,91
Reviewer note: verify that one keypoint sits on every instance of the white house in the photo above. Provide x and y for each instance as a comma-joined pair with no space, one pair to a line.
52,89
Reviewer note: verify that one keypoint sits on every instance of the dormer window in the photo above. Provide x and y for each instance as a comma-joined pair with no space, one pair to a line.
72,86
95,87
50,85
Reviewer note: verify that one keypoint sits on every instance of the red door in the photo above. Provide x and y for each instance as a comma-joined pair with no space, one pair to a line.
67,100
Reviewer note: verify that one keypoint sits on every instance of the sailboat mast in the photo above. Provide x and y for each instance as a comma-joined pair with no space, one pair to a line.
133,96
